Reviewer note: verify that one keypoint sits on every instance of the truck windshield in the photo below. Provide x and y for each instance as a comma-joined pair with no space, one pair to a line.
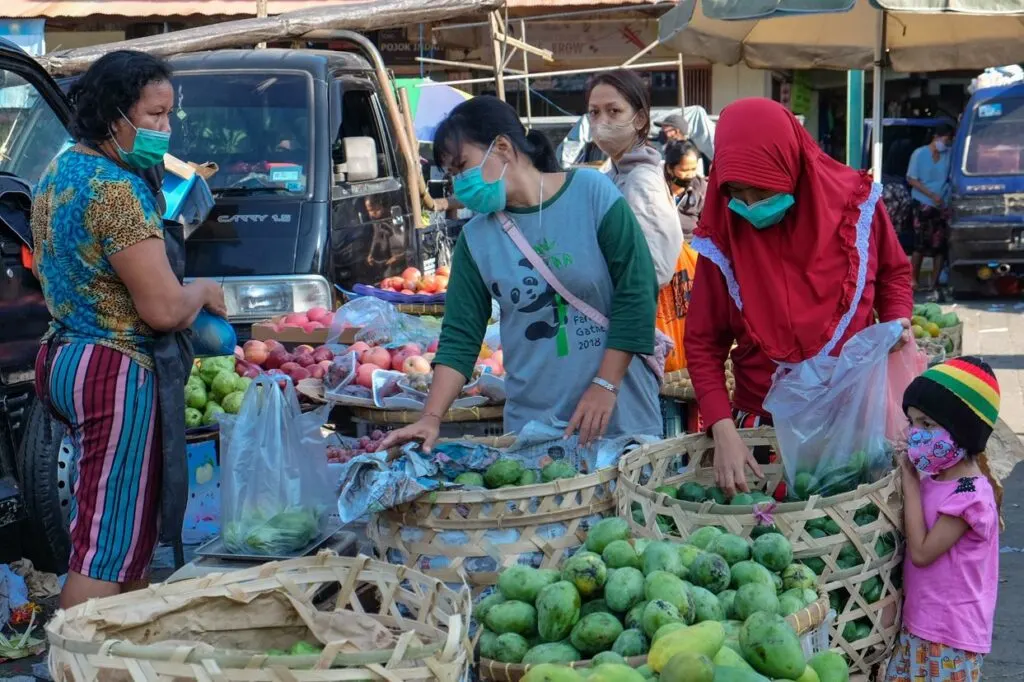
31,134
995,145
254,125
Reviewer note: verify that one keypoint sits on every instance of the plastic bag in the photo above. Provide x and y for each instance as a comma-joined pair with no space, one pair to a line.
832,415
380,324
904,366
275,490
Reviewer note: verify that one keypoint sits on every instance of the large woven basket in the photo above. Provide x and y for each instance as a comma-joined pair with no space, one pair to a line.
219,627
679,386
643,470
473,535
804,622
381,417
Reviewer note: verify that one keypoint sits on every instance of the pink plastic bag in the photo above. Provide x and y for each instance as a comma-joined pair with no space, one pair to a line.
905,365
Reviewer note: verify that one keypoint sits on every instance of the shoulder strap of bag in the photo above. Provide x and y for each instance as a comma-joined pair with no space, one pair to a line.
517,237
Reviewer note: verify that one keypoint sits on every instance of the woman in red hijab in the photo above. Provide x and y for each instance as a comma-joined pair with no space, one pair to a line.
797,255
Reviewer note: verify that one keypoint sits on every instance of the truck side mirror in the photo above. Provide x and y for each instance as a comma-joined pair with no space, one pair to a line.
360,160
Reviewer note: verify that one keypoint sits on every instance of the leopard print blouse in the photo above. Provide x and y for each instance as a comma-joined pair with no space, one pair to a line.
87,208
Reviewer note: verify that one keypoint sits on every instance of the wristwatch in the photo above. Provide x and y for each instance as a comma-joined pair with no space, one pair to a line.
606,385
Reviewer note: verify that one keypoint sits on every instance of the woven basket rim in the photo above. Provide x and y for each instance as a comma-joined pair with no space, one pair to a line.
813,502
816,612
377,415
561,486
305,570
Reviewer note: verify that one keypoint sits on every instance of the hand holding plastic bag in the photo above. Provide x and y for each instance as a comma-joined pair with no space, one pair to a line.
834,415
274,488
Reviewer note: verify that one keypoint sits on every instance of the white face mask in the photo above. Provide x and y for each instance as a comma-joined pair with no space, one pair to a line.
615,138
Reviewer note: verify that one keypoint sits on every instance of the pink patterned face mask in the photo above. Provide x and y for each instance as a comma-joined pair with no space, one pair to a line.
932,450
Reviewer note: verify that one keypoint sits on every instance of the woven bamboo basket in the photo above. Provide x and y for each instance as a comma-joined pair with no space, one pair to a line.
803,622
218,627
679,386
472,535
643,470
435,309
401,417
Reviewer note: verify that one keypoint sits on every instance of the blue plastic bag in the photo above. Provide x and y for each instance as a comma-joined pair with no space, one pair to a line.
212,335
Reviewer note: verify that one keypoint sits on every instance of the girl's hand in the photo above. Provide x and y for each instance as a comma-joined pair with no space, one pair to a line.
905,337
911,479
426,431
592,414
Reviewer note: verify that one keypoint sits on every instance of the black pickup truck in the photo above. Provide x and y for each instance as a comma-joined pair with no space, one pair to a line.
312,194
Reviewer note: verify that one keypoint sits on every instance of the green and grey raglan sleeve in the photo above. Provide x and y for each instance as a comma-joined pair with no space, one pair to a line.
635,299
466,313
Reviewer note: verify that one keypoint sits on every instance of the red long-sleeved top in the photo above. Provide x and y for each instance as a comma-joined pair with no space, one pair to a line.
714,324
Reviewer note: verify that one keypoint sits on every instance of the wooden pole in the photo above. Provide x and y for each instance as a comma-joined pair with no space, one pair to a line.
499,78
552,74
410,129
261,13
682,84
526,69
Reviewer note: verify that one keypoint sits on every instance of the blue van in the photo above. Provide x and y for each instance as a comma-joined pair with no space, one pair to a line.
986,244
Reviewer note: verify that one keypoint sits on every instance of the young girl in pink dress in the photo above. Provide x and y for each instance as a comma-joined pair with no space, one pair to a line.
951,519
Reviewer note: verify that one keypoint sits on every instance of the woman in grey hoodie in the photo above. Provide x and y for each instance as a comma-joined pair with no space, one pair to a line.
619,108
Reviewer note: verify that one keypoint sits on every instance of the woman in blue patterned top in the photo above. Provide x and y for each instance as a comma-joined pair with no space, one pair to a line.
110,289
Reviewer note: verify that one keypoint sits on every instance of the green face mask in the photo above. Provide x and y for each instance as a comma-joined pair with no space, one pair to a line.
148,150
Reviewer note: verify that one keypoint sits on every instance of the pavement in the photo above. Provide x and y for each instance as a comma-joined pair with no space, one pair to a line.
994,331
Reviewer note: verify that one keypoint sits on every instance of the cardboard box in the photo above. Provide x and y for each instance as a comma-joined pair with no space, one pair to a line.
264,331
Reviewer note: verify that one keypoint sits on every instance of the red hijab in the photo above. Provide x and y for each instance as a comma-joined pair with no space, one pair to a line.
797,278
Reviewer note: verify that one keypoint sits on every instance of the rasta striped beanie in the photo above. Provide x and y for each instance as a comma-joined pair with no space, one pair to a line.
962,396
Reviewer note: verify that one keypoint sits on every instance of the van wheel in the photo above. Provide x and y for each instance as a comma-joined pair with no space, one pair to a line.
44,470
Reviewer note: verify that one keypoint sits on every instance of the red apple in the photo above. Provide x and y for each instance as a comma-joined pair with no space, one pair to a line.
323,353
326,364
412,349
273,344
408,292
239,353
416,364
304,359
442,283
276,358
398,361
255,351
311,327
316,314
296,319
304,348
411,284
364,376
298,374
358,348
327,320
443,270
376,356
411,273
289,366
428,284
317,372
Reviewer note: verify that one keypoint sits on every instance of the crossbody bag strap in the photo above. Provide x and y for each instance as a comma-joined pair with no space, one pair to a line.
517,237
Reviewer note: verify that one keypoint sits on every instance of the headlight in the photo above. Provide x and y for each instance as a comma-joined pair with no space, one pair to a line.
252,299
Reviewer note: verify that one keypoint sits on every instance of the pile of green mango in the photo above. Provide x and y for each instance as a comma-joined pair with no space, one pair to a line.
510,473
620,597
695,492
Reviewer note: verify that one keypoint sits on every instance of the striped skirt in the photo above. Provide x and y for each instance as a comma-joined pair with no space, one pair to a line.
108,402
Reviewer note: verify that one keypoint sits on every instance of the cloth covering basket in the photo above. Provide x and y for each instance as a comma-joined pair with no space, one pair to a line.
956,335
807,623
648,467
374,620
473,535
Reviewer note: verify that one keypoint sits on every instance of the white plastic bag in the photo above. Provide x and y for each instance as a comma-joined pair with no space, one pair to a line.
275,489
832,414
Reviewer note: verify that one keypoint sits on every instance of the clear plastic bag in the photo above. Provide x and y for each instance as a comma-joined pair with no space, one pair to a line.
832,415
380,324
904,366
275,489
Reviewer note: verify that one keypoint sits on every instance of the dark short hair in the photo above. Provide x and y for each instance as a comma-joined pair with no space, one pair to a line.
481,121
675,151
632,89
112,86
944,130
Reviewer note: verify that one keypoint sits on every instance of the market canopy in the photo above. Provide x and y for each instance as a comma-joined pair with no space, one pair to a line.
429,104
919,35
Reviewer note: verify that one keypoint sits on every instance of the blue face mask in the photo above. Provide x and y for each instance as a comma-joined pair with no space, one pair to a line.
148,150
940,146
477,194
764,213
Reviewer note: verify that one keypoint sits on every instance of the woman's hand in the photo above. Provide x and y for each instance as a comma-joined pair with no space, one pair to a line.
905,336
732,457
592,414
214,298
425,430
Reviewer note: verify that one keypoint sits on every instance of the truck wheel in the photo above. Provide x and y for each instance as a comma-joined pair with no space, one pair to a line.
44,473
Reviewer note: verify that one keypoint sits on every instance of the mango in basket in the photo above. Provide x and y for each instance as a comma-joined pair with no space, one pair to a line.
550,672
747,572
632,642
668,491
688,667
624,589
512,616
558,609
732,548
742,499
790,602
595,633
727,674
703,536
606,657
524,583
551,652
510,648
687,554
730,658
634,620
529,477
830,667
606,531
667,628
594,606
706,605
772,647
727,599
717,495
485,605
621,554
753,598
773,551
703,639
304,649
692,492
503,472
663,556
470,478
658,613
587,572
664,586
558,469
798,575
711,572
614,672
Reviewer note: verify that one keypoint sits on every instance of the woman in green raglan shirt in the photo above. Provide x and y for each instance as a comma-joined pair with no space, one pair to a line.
561,367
